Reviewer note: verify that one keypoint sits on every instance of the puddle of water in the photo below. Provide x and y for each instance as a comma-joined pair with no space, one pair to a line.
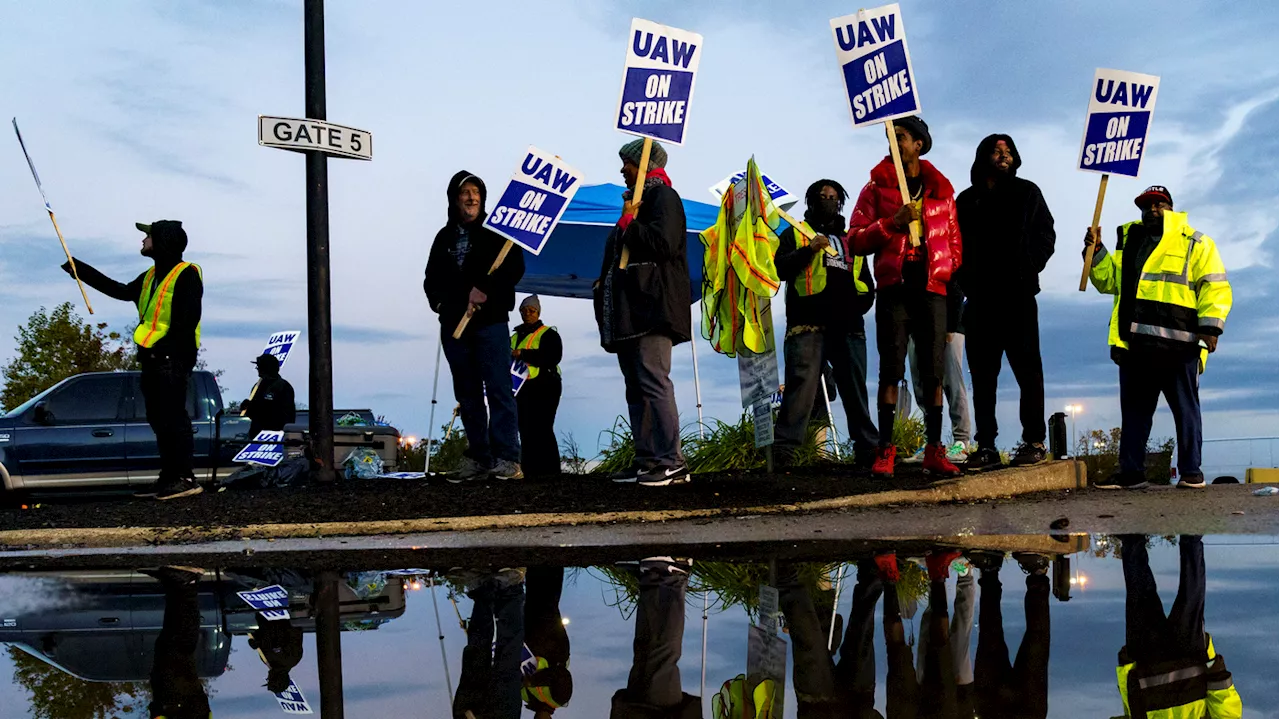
995,641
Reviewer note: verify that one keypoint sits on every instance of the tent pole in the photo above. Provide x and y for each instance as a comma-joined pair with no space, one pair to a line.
431,420
831,420
697,388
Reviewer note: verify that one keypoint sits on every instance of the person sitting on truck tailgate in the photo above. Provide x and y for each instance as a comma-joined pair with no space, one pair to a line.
538,346
271,407
459,283
168,297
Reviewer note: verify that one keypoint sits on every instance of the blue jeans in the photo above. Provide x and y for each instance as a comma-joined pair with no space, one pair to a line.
806,354
480,363
1143,378
489,685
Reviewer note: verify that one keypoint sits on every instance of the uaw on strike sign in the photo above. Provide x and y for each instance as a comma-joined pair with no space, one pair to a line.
871,47
657,84
1115,132
534,200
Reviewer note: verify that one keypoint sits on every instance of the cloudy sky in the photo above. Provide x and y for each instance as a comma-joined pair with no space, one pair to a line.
136,111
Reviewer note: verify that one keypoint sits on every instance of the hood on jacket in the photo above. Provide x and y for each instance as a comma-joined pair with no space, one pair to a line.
982,159
455,187
168,241
935,183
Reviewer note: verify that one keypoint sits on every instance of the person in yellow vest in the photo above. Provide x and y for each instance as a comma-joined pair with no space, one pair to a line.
539,349
168,297
1171,303
1168,667
827,295
548,684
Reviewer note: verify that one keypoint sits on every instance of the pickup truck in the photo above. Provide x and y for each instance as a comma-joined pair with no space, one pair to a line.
90,431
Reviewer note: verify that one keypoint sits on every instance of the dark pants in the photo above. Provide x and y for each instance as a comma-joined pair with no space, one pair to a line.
165,386
903,313
1020,689
994,330
480,363
654,680
806,354
1143,378
651,401
850,683
537,403
1150,636
176,690
489,685
933,695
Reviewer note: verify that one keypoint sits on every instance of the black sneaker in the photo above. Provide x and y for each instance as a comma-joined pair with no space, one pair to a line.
1028,454
174,574
984,459
663,476
985,559
178,488
1033,564
1191,481
624,476
1123,480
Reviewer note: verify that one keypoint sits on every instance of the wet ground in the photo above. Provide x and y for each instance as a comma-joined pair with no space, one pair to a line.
1031,627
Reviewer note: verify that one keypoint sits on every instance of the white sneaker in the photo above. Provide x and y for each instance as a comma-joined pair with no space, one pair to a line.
916,458
957,452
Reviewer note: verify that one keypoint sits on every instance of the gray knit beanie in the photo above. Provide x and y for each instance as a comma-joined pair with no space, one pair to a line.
632,151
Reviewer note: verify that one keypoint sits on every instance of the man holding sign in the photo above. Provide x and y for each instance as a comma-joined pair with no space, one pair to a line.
272,404
466,278
913,282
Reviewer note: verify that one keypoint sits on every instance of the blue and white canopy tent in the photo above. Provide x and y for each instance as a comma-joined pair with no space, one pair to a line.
570,261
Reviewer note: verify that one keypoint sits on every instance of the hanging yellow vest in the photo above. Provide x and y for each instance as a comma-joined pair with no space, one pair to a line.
814,279
1183,286
531,342
155,306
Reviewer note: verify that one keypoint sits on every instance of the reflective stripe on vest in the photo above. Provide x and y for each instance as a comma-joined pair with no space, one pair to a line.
814,279
155,306
531,342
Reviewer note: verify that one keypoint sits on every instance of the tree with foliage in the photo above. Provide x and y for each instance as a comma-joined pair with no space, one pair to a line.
58,695
55,345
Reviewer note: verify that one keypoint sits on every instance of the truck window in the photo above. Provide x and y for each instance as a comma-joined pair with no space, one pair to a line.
195,410
95,398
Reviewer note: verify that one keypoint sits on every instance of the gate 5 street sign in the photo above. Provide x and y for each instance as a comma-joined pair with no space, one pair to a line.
288,133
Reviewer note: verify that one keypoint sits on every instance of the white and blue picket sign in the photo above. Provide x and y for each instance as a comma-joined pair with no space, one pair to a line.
280,344
292,701
657,81
265,449
271,602
781,197
1115,131
534,199
871,47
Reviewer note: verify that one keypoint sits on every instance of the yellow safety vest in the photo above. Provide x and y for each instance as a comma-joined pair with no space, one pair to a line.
1183,690
814,279
531,342
1183,286
540,693
155,306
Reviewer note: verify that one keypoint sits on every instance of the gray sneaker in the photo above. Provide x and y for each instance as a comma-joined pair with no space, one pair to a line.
506,469
468,470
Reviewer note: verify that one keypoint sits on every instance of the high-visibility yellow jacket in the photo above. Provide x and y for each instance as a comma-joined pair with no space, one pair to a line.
814,278
1182,291
531,342
1190,689
155,306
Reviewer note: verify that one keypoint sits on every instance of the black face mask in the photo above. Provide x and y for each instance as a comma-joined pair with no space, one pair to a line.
826,207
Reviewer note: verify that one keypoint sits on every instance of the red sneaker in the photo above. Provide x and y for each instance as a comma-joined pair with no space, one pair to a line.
887,566
937,464
883,466
939,562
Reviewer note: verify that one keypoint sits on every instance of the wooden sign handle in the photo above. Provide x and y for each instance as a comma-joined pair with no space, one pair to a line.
72,262
635,195
252,393
807,233
912,228
1096,230
502,255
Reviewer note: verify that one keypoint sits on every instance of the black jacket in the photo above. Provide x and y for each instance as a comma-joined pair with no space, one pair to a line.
448,286
839,306
272,406
652,295
188,292
1007,230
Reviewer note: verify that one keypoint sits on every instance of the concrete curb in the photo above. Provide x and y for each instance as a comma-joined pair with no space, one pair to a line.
1053,476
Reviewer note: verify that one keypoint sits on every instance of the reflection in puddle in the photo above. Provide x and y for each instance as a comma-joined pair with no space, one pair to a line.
922,631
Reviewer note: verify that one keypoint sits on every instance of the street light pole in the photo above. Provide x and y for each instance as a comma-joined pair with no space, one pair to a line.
319,326
1073,409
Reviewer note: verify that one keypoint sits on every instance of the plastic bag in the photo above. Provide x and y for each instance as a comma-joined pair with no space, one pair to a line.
362,463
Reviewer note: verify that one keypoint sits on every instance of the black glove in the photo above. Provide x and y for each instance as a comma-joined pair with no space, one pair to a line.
66,267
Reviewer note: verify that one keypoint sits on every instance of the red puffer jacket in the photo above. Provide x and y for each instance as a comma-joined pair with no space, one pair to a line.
871,228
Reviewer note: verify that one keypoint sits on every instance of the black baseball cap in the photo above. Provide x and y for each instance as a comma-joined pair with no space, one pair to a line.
267,360
1155,192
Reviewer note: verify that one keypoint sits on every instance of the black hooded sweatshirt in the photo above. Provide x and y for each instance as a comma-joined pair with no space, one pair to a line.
461,256
179,343
1007,230
838,306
